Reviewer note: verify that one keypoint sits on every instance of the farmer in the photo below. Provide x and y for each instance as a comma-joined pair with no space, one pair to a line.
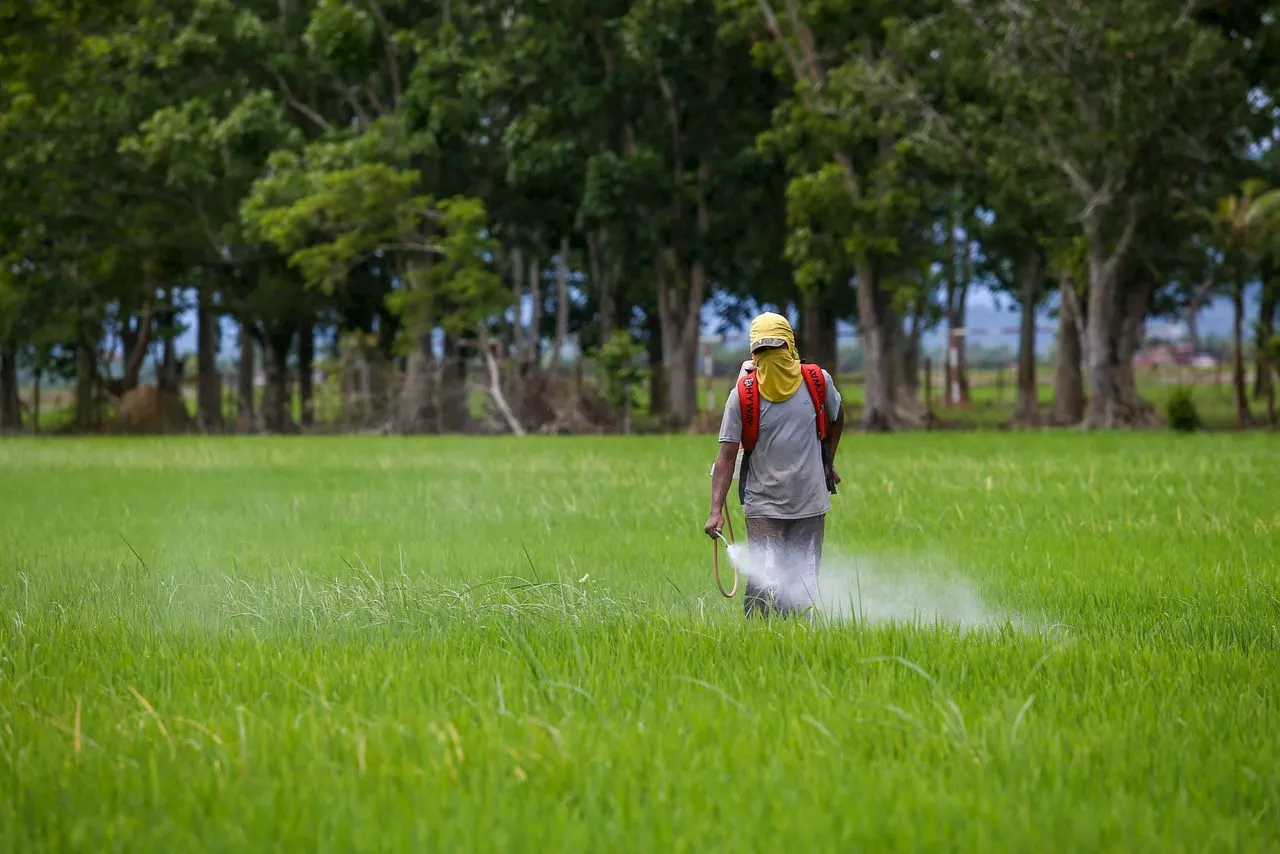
786,472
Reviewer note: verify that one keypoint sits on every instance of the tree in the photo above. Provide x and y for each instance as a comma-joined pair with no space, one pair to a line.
855,124
1120,102
489,182
1265,333
1245,223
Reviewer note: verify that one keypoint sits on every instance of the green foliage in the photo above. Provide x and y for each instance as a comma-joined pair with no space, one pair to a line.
819,249
361,163
619,361
343,33
455,288
1181,411
328,219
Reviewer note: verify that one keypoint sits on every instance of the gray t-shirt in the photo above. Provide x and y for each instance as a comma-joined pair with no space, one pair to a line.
785,479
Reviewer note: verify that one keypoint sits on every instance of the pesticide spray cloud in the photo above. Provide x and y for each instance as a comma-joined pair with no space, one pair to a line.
923,590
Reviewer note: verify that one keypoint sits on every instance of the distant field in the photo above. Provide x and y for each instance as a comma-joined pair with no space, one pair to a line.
501,645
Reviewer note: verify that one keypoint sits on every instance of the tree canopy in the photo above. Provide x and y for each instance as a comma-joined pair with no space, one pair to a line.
474,187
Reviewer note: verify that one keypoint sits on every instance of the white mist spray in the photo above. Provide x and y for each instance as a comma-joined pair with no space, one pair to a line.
871,589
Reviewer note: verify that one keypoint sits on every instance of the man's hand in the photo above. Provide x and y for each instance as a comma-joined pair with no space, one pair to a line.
715,524
833,474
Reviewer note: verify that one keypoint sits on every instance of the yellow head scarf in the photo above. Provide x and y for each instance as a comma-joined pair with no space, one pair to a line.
778,370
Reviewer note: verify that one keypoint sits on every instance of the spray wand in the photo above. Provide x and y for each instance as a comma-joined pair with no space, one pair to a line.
715,551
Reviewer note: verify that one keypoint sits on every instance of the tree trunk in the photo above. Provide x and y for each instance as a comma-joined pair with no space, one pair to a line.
306,368
1114,338
876,319
818,333
455,405
959,275
682,384
416,410
1027,411
351,367
602,277
1113,400
135,337
168,371
10,403
244,381
208,381
35,400
390,326
909,363
276,414
1243,416
1115,334
517,296
495,388
1068,386
680,352
609,293
562,307
1271,405
678,315
1137,412
290,422
680,312
1102,311
86,386
657,372
533,356
1194,306
1263,382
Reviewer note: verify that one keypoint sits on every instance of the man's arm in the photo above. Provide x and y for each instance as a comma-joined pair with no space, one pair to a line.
726,462
720,483
834,432
836,428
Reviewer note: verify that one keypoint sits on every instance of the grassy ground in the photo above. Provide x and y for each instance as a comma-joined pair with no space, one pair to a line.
484,645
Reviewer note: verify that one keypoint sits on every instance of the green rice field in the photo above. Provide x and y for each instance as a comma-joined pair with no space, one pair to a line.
374,644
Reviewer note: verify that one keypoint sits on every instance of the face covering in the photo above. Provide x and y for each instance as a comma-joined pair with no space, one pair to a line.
778,370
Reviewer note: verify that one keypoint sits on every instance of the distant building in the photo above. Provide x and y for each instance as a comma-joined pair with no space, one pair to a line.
1173,356
1205,361
1160,356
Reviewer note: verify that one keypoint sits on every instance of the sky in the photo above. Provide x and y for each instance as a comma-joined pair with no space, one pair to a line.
988,310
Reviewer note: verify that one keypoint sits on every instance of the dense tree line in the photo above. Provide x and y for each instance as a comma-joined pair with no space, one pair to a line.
477,181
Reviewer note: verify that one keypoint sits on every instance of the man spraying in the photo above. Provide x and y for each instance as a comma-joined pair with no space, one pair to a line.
786,417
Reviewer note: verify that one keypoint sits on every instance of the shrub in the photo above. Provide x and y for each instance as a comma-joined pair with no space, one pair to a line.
618,360
1181,411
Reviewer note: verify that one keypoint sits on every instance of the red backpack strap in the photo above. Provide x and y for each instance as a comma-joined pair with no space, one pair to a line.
817,385
749,408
